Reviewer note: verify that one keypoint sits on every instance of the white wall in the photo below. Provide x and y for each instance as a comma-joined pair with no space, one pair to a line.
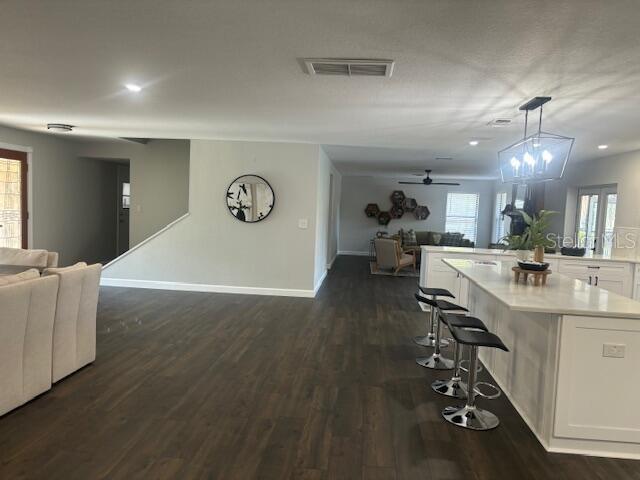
212,249
623,170
159,175
72,208
356,229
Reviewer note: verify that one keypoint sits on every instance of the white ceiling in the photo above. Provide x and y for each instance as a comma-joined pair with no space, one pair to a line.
231,69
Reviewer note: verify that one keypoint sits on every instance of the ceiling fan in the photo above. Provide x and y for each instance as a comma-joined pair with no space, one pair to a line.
428,181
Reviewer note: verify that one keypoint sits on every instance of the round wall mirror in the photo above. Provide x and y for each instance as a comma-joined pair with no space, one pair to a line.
250,198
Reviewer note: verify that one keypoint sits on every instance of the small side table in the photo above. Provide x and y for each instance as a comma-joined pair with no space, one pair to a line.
539,278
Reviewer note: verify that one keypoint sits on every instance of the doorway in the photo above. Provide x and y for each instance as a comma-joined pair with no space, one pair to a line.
596,218
14,215
124,204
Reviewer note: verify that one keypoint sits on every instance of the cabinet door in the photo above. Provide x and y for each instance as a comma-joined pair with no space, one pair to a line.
448,280
613,285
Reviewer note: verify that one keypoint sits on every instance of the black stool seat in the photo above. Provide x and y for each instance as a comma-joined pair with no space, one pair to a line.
477,338
439,292
463,321
444,305
423,299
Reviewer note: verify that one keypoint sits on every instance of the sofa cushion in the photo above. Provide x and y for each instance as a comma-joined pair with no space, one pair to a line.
408,238
19,277
54,271
18,256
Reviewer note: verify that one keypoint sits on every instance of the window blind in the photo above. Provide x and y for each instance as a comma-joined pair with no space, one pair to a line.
462,214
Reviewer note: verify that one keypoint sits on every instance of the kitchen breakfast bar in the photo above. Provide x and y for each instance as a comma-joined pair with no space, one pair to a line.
573,369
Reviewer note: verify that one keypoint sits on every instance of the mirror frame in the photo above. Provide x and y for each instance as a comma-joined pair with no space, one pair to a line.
256,176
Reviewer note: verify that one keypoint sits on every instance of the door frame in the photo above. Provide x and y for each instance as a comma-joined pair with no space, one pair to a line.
24,154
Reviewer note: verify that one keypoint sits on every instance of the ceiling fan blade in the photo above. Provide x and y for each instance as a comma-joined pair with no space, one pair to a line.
445,183
411,183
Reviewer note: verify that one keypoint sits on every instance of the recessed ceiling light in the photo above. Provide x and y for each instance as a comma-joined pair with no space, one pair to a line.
473,143
132,87
603,147
59,127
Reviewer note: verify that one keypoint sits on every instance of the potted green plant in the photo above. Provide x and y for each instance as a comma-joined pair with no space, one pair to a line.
536,230
520,245
534,238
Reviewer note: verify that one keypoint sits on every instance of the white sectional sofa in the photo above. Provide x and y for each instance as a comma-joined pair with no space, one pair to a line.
74,328
32,258
27,312
47,327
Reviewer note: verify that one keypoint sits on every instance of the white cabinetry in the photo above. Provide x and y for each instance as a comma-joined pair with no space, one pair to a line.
440,275
616,277
621,277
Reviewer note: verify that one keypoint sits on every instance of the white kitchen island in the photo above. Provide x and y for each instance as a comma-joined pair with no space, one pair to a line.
573,370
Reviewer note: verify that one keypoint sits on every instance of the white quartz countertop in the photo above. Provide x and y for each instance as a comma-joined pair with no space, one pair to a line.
561,295
490,251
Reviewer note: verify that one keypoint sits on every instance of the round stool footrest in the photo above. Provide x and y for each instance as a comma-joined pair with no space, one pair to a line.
487,396
466,370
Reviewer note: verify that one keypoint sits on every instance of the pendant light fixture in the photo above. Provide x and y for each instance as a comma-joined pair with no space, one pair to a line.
538,157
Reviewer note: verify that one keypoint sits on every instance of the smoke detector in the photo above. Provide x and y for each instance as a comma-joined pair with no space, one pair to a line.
349,67
60,127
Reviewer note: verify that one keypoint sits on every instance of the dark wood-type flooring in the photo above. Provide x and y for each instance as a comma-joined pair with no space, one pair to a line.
195,385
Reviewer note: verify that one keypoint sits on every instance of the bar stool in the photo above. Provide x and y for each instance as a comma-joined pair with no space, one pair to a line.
436,361
469,416
455,387
428,340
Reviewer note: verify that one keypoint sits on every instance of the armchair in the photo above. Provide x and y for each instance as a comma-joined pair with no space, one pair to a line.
390,255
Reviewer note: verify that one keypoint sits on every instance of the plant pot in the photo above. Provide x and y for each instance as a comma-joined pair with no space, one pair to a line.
523,255
538,254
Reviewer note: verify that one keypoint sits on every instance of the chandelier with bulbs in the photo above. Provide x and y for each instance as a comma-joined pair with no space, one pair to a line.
538,157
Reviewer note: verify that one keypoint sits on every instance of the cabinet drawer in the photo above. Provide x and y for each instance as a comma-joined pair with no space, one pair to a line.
603,269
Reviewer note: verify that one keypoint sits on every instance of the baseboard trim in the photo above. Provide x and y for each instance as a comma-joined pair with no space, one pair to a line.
353,252
330,264
202,287
319,283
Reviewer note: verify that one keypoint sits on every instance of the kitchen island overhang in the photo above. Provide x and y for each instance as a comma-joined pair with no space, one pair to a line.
573,397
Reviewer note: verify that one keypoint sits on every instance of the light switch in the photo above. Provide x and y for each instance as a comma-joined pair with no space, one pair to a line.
303,223
614,350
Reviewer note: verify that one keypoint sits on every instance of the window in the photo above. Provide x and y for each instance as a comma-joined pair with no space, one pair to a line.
596,218
462,214
126,195
13,199
498,219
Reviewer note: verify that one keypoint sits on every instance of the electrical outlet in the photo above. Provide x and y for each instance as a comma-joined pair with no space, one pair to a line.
303,223
614,350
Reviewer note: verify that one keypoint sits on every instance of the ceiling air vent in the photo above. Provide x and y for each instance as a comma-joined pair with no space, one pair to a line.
500,122
349,67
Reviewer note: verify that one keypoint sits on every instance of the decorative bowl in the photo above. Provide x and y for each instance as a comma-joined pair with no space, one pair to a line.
533,266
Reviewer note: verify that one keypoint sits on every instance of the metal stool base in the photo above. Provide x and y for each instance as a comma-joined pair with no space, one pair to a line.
450,388
435,362
428,341
472,418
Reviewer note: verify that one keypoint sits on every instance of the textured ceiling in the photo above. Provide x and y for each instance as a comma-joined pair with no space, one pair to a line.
231,69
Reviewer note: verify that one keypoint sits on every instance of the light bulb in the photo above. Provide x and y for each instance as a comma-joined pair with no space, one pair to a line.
528,159
546,156
515,163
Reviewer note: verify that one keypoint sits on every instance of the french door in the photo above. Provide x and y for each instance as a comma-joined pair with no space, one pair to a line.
13,199
596,218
